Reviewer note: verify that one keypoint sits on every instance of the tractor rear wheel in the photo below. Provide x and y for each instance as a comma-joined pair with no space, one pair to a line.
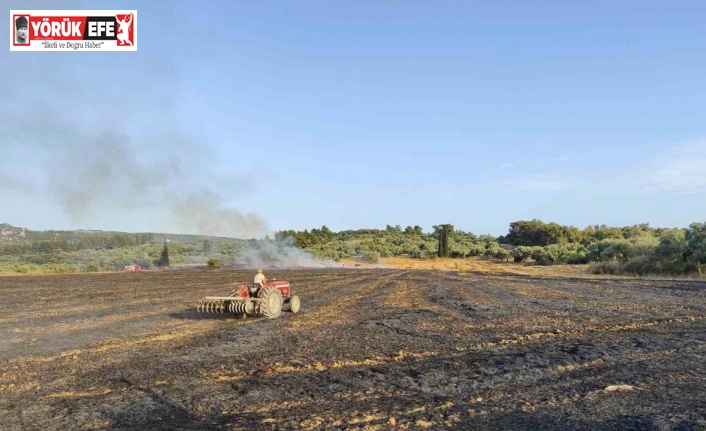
271,305
294,304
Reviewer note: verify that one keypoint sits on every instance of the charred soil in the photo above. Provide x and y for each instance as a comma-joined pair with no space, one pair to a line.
370,349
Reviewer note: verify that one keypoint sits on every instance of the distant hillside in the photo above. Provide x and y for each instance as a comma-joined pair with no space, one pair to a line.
9,233
27,251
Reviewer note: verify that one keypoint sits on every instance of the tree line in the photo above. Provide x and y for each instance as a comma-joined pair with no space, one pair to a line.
83,242
111,252
639,248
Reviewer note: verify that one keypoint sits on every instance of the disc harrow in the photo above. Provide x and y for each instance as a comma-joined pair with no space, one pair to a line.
237,307
210,306
221,305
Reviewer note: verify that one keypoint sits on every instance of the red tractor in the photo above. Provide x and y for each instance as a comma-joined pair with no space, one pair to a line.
250,299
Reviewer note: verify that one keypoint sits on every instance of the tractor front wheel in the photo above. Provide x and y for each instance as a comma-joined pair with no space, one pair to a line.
294,304
271,305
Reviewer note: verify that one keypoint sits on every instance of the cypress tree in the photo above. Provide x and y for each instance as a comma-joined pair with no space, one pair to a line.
164,259
444,231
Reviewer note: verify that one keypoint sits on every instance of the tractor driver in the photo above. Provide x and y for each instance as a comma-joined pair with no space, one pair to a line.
260,279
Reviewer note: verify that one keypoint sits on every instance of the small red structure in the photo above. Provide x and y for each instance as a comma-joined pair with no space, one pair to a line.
133,268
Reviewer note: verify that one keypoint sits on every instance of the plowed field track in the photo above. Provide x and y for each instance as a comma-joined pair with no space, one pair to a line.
370,349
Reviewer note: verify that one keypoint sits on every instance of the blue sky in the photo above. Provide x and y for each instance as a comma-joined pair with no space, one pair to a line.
362,114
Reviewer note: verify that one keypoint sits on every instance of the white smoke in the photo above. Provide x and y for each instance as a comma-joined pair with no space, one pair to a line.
269,253
204,214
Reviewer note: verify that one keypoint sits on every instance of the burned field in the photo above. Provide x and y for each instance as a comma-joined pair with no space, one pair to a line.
370,349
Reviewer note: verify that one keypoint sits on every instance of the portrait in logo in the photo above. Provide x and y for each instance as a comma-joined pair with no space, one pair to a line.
124,29
21,30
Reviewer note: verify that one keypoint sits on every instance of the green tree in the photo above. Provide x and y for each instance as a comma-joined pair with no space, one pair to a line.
521,253
444,231
669,253
163,260
696,248
371,257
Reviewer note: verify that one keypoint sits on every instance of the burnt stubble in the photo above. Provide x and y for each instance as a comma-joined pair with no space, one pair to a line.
370,349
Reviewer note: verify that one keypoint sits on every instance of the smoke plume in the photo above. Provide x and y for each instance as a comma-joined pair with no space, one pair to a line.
268,253
205,213
106,175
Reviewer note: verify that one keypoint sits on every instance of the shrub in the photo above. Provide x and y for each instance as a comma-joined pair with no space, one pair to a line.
60,268
476,249
92,267
213,264
605,267
371,257
640,265
494,250
502,254
522,253
22,269
542,255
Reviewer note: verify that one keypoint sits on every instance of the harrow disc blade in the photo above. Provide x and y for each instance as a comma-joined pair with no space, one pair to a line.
249,307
